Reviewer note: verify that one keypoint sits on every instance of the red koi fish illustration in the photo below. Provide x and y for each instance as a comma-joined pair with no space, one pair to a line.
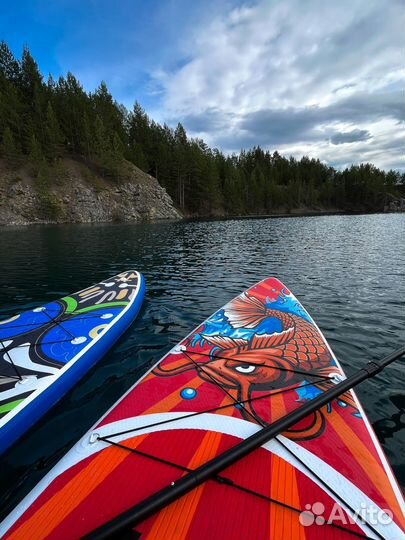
265,361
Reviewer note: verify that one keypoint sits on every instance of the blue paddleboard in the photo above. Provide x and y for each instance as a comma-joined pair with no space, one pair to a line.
45,351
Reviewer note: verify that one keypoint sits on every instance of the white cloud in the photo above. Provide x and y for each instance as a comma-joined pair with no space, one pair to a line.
272,57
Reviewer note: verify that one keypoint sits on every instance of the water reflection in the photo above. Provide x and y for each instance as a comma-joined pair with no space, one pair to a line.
347,270
386,428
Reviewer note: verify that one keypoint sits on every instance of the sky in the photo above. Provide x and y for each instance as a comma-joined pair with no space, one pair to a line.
304,77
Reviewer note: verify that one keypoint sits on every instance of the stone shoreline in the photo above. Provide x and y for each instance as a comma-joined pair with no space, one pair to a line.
83,197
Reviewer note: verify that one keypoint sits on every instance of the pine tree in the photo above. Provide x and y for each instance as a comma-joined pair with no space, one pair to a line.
102,149
100,139
115,156
31,77
117,148
35,157
180,159
41,120
54,137
139,137
9,149
86,139
9,66
11,111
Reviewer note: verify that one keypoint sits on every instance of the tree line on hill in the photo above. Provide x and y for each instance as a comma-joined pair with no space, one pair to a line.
44,121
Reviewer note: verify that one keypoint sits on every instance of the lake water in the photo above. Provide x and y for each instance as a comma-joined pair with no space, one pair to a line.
348,271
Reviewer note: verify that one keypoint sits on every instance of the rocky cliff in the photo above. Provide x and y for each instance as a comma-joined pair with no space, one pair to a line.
394,204
73,192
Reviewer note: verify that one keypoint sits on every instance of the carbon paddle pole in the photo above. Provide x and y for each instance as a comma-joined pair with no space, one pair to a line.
169,494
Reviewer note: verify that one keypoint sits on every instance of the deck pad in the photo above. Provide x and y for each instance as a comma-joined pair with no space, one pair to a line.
252,362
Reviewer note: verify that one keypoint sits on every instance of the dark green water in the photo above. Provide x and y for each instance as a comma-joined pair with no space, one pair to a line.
348,271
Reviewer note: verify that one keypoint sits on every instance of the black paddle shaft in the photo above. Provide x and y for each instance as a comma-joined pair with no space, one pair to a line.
190,481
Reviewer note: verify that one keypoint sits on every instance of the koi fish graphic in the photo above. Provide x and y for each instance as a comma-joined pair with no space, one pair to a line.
265,361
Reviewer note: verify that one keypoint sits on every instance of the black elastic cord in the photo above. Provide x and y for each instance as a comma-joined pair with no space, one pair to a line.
19,376
25,345
66,318
207,411
155,503
222,480
292,453
10,348
237,402
58,324
262,423
335,494
49,343
299,372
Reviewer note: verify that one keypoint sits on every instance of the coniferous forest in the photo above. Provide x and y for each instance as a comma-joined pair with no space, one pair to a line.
43,121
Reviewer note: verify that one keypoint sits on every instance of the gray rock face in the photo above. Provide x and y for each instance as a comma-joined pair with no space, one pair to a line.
397,205
83,197
394,204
